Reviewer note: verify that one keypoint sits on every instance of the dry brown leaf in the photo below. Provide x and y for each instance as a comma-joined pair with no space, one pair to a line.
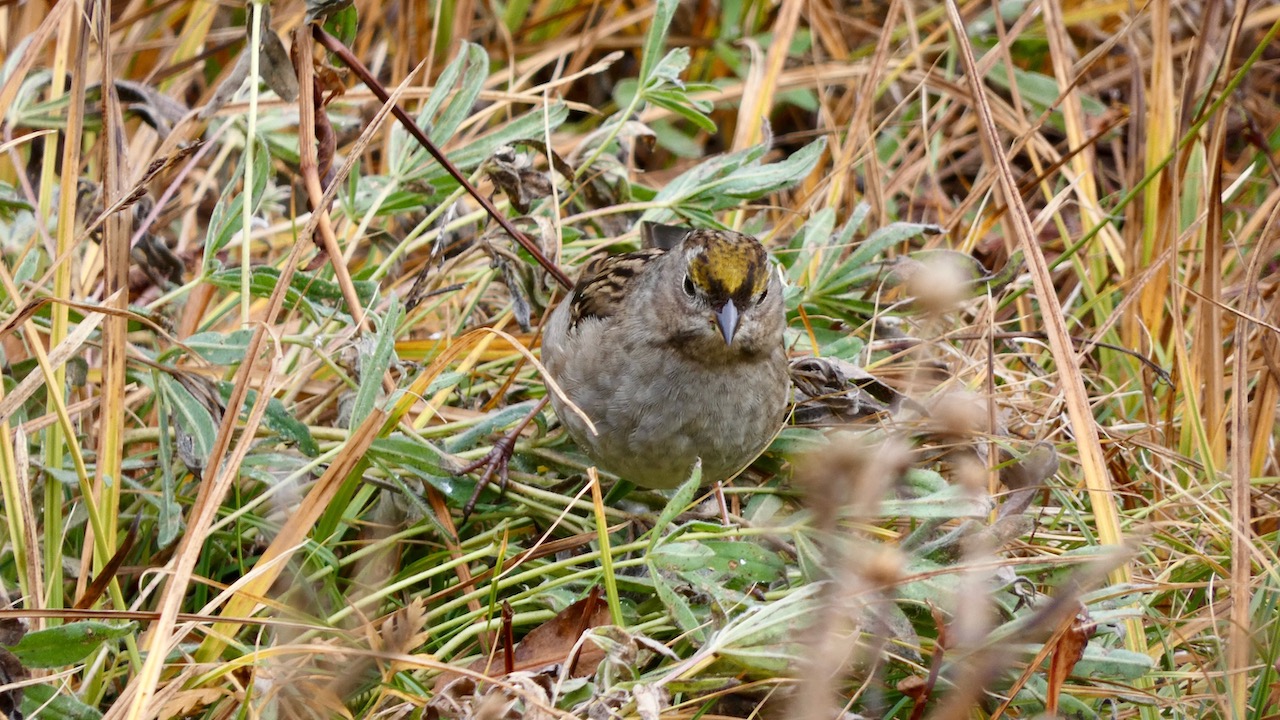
405,629
188,702
109,570
552,643
1067,652
513,173
11,671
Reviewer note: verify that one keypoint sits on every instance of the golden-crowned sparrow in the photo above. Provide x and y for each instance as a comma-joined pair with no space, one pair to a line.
674,353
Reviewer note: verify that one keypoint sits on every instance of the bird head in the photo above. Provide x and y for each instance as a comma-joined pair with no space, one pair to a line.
727,270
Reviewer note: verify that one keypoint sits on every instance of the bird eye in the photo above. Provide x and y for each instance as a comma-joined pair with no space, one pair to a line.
763,294
688,286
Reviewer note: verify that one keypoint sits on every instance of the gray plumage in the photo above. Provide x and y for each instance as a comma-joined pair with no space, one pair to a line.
640,347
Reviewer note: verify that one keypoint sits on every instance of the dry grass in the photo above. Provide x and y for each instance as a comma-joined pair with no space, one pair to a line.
229,427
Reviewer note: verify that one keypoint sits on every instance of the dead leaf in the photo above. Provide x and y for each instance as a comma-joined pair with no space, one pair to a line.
914,687
513,173
1067,652
109,570
188,702
524,696
658,235
11,671
650,701
830,391
274,66
553,643
405,629
1026,475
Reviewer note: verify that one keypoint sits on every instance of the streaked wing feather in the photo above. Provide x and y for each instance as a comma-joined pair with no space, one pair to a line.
605,282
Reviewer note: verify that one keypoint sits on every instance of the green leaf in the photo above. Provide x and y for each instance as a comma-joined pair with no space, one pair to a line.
803,98
46,703
27,266
277,419
11,202
488,425
1040,91
194,417
343,24
759,180
679,608
796,441
1032,698
269,468
66,644
886,237
919,482
168,512
677,103
515,13
407,453
281,422
1113,663
262,282
656,37
220,348
442,115
733,563
950,502
305,292
812,237
678,503
680,556
227,218
445,82
473,63
371,190
767,639
725,181
668,69
844,346
374,364
676,139
937,581
811,559
860,267
744,562
624,91
677,193
1101,662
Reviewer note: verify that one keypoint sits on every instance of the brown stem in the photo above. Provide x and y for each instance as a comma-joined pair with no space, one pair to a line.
335,46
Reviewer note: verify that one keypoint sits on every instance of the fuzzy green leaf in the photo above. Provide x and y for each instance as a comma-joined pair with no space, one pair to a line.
227,218
220,348
45,702
66,644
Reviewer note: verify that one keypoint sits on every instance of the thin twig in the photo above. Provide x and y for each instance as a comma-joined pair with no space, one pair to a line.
335,46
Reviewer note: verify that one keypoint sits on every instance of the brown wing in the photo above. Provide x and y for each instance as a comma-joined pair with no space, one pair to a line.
604,283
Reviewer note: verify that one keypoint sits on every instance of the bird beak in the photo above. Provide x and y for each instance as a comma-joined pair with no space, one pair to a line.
727,319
